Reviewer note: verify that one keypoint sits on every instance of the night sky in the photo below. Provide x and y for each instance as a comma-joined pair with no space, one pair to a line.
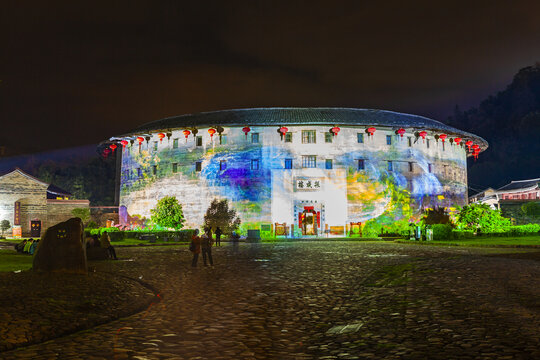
75,73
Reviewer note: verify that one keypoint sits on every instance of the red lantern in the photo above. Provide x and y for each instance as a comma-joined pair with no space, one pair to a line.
246,129
335,130
371,131
469,144
457,140
211,132
124,143
423,135
113,147
140,139
476,147
282,131
186,133
106,152
161,136
400,132
443,137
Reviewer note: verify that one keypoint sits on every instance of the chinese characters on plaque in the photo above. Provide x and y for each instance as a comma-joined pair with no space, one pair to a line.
308,184
17,214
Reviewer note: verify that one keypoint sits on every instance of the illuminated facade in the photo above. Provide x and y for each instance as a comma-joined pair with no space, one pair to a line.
296,171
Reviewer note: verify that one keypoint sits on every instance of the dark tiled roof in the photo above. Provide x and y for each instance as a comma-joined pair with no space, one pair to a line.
302,116
58,191
521,184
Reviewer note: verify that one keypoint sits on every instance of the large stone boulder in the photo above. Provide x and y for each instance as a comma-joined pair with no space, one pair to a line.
61,249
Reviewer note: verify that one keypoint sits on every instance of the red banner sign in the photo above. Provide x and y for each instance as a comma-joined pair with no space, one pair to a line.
17,214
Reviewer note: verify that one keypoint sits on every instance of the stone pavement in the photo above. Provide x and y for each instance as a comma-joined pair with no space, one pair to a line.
320,300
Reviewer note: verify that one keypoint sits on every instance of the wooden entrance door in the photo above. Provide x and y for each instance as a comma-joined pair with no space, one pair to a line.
35,228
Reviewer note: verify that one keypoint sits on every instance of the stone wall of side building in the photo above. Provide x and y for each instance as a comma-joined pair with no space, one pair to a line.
61,210
30,192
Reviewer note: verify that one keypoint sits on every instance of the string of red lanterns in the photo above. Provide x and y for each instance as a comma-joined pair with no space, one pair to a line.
371,131
443,137
400,132
161,136
211,132
335,130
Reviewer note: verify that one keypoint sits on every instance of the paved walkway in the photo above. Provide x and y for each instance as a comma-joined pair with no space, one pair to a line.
320,300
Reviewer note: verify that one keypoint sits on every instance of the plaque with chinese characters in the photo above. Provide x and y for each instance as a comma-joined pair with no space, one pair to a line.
308,184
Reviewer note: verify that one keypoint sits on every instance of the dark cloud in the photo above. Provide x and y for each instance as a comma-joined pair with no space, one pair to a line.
76,73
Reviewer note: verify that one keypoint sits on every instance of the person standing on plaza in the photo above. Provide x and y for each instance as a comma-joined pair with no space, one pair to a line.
195,247
106,243
218,236
206,244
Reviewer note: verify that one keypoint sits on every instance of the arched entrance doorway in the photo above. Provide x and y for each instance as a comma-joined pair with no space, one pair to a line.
310,221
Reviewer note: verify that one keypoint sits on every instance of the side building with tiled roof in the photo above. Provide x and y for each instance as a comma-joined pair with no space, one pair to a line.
31,205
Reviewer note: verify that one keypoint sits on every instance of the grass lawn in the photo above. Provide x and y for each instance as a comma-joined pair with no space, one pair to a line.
10,260
484,241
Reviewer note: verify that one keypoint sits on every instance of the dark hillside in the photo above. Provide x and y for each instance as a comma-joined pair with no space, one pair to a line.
510,122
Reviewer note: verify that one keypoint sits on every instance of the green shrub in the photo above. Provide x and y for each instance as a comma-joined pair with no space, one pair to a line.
522,230
482,219
462,234
441,231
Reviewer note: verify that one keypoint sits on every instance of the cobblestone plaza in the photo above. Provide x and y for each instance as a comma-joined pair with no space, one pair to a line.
319,300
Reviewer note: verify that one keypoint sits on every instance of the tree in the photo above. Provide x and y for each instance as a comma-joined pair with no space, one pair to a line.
219,214
82,213
168,213
480,217
436,216
4,225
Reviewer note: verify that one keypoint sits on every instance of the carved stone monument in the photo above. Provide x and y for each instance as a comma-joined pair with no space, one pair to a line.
61,249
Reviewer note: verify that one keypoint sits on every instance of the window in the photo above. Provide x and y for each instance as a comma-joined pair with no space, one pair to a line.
308,136
390,166
255,138
409,141
288,137
223,140
199,140
175,167
430,168
255,164
411,169
222,165
175,144
328,137
154,170
360,138
139,172
288,163
427,143
309,161
388,139
361,164
155,145
198,166
328,164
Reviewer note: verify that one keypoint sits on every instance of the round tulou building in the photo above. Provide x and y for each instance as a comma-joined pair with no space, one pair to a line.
297,171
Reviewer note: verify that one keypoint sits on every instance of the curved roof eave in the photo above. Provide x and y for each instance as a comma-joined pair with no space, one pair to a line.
278,116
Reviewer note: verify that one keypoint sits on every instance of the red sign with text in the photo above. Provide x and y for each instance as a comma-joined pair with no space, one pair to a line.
17,214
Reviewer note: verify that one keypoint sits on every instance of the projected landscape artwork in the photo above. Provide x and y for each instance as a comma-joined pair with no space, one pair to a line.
297,171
